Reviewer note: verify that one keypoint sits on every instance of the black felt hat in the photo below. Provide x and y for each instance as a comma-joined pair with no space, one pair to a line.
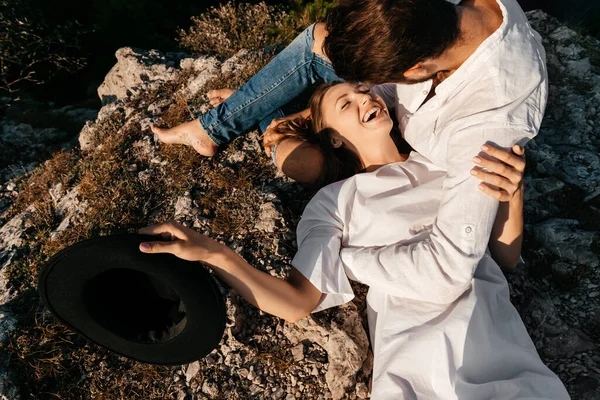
153,308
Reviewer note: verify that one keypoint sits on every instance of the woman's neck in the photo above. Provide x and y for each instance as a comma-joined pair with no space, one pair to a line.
383,155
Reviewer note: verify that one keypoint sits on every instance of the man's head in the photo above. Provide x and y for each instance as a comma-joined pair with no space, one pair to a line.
378,41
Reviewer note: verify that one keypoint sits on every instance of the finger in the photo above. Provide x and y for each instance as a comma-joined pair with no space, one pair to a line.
215,101
271,138
497,194
499,168
170,227
161,247
274,123
494,179
268,151
518,150
505,156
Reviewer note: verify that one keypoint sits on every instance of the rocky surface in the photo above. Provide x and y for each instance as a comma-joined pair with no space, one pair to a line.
30,131
556,291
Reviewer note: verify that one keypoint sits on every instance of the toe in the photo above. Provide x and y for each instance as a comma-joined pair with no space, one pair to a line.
220,93
157,130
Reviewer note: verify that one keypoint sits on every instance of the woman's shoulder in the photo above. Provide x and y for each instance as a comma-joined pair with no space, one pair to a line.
329,202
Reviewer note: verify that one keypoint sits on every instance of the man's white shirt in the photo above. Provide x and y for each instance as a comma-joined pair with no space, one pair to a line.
497,96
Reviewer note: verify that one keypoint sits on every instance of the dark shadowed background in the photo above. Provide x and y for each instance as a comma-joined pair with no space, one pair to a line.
154,24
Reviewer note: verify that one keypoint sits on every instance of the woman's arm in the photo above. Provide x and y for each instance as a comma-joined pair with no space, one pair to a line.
507,233
505,182
291,300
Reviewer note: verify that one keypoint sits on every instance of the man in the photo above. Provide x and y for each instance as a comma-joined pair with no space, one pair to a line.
461,74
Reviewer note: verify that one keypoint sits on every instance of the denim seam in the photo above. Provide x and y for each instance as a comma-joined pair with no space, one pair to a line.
209,132
260,96
320,60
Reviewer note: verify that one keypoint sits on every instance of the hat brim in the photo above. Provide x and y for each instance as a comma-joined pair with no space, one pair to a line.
64,286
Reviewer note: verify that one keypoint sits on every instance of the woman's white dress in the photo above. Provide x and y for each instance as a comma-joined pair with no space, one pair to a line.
474,348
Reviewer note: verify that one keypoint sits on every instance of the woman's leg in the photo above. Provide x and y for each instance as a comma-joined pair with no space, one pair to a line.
287,76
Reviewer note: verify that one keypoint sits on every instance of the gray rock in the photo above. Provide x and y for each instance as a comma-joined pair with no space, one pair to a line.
566,276
88,136
268,217
556,338
7,290
11,235
191,371
7,324
298,352
586,387
346,345
133,68
562,238
210,388
136,68
204,69
8,391
183,207
540,187
67,206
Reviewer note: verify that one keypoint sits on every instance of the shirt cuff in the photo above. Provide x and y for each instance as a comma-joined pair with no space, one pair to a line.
347,257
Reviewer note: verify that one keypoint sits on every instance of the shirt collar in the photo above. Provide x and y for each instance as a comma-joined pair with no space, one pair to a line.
475,61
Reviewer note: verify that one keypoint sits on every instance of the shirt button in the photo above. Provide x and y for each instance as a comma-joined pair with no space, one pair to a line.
468,229
425,92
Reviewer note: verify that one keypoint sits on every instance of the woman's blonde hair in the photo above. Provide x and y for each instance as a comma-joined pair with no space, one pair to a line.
341,162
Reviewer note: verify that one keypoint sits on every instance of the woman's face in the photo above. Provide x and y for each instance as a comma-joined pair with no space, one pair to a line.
360,117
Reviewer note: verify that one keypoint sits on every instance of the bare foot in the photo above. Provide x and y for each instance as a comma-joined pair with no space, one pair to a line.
217,96
189,133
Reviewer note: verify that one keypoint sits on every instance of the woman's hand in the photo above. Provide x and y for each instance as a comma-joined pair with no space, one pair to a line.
181,241
271,136
505,179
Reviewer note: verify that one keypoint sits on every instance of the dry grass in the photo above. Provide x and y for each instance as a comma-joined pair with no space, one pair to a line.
61,168
50,361
55,363
230,27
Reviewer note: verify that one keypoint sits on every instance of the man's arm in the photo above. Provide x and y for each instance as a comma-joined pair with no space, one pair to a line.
439,267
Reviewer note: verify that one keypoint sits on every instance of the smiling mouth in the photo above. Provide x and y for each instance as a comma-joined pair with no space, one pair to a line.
372,114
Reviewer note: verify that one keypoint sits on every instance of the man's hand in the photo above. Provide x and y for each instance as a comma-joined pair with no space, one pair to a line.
181,241
505,179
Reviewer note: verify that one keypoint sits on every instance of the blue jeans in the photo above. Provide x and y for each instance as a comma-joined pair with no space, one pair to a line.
269,94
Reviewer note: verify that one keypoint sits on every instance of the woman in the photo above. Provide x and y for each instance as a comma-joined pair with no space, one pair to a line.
424,346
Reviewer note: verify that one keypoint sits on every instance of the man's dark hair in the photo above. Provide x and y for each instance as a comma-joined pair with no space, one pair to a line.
376,41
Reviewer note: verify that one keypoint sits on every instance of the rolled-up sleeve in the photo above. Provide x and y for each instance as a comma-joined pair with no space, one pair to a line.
439,267
319,236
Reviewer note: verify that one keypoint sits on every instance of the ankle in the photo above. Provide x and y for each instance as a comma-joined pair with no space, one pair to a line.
319,34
